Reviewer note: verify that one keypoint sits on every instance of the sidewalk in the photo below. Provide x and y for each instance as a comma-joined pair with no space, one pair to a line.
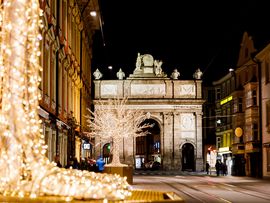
166,173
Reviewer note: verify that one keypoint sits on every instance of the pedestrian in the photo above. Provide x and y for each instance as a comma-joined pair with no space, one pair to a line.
224,169
207,167
100,164
218,167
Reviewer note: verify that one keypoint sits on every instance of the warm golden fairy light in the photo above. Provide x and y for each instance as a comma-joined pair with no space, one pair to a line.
112,121
24,169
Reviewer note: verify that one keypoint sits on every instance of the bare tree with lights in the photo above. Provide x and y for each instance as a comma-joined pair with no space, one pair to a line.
112,121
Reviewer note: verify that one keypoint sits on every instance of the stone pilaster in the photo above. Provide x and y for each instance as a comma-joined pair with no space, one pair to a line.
177,140
199,158
198,89
97,89
167,144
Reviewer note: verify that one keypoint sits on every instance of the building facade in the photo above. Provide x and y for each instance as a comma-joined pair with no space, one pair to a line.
238,117
66,53
175,106
263,58
223,112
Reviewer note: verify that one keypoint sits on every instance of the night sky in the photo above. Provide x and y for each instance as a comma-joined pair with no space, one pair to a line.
185,34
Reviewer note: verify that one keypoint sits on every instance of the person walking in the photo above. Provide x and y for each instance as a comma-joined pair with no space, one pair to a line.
224,169
100,164
218,167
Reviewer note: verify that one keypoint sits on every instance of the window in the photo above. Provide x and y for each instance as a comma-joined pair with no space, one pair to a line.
235,105
248,133
218,94
229,118
251,98
240,104
223,90
218,142
254,98
255,131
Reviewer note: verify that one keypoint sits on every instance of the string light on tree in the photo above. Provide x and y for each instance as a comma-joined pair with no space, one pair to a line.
24,168
112,121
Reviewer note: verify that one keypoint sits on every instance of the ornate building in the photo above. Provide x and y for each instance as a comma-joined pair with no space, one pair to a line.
263,57
238,117
66,77
173,105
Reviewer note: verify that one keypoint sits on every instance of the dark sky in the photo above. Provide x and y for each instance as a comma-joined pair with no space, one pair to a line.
184,34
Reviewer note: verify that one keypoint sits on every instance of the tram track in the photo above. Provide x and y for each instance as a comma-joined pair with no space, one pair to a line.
201,197
210,190
222,186
243,190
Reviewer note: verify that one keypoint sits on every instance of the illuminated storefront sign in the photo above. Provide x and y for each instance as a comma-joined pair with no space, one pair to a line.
224,101
223,149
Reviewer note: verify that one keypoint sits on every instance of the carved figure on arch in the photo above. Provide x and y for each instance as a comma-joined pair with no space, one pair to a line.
138,62
97,74
158,69
175,74
120,74
198,74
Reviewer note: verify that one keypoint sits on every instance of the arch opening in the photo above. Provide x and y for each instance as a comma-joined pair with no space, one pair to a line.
188,162
148,148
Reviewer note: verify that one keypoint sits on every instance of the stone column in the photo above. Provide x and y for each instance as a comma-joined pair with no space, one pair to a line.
167,141
177,132
199,158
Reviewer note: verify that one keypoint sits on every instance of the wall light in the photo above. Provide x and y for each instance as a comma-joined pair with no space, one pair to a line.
93,13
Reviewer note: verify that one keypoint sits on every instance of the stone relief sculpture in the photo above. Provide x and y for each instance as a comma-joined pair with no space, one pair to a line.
146,66
97,74
198,74
186,89
187,121
175,74
120,74
148,89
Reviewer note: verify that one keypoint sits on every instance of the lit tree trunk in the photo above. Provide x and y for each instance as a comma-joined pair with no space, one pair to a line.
116,153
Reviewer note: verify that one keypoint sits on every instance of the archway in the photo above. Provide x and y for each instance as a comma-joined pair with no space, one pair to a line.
148,148
188,162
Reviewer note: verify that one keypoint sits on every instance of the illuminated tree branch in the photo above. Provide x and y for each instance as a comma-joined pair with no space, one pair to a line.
113,120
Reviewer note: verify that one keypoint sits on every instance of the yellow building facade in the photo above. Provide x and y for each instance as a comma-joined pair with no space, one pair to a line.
66,77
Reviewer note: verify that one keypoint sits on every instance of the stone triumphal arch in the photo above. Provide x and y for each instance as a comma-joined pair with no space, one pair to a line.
173,105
